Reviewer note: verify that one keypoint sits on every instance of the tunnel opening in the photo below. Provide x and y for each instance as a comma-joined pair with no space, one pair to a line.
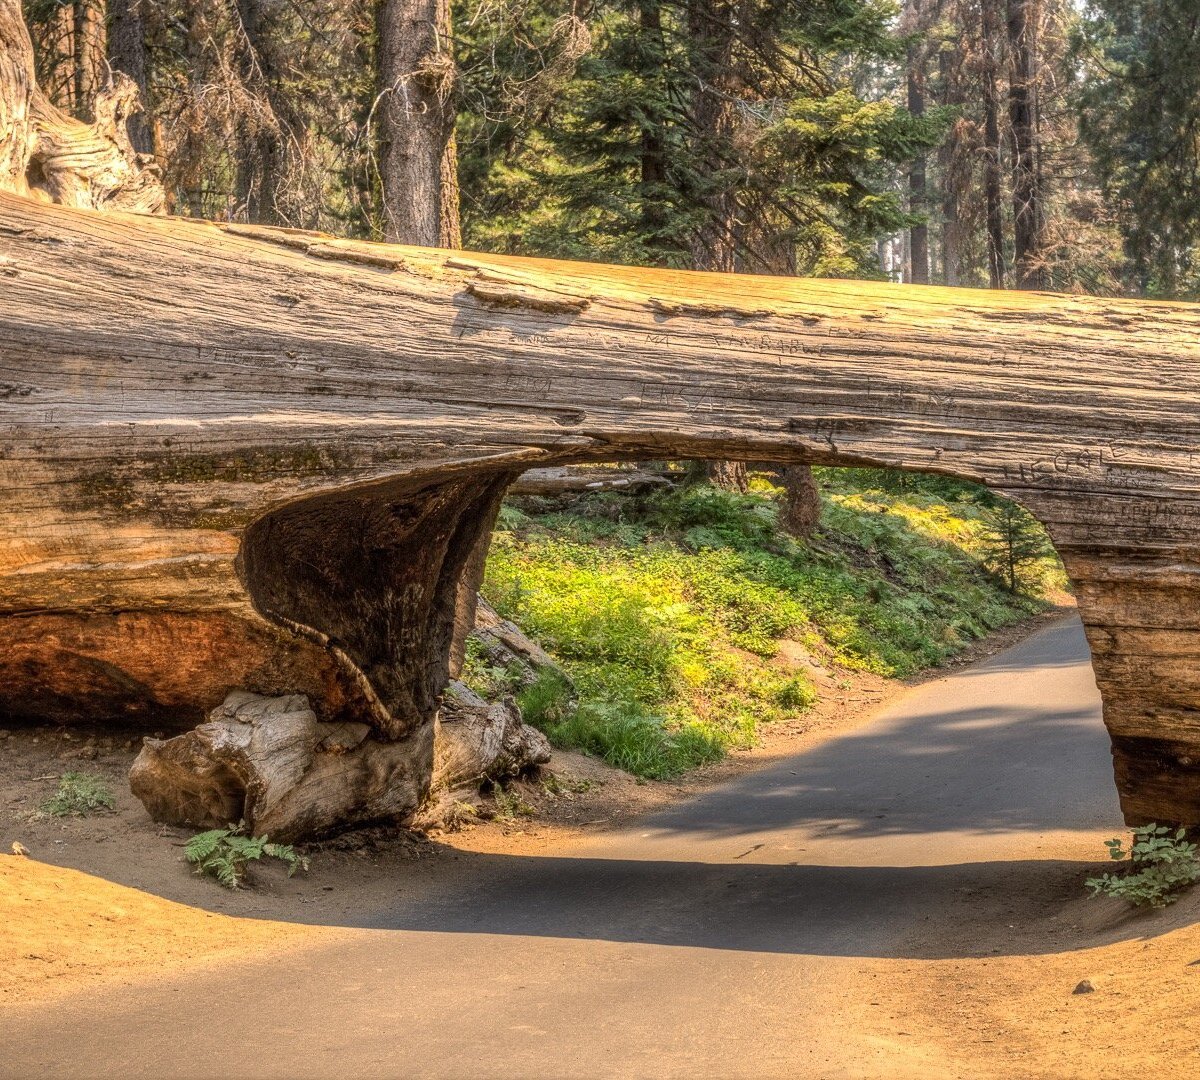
670,600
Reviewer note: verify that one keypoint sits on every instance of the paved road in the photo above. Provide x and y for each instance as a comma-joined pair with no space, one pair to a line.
740,934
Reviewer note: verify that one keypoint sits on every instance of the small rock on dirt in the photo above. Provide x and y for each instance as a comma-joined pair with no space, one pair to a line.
1085,987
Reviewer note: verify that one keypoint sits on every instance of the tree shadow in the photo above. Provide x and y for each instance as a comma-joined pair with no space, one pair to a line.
957,911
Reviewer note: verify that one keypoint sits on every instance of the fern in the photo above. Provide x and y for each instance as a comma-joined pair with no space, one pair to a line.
223,854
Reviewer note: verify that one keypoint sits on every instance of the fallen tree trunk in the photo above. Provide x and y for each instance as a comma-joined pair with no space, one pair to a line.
244,458
578,481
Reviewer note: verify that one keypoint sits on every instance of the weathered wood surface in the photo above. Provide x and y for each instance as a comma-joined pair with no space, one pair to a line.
269,762
54,157
234,457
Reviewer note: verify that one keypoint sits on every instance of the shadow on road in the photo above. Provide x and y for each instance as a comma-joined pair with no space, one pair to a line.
923,912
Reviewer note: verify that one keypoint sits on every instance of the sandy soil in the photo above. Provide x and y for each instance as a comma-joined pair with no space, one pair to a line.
109,898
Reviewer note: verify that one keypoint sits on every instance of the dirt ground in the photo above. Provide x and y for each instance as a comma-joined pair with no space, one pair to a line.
109,898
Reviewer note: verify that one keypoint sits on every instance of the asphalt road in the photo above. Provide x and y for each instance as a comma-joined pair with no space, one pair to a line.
739,934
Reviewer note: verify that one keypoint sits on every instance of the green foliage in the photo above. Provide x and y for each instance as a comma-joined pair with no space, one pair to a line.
1139,109
667,610
594,152
1163,862
1014,544
546,700
224,853
78,795
488,679
509,804
563,787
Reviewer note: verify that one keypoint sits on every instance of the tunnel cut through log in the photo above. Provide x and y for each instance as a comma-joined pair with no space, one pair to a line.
242,458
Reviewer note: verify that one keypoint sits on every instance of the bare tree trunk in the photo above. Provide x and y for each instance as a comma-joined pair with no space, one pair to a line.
801,510
714,244
127,53
91,71
653,163
727,475
991,46
416,123
949,159
1022,102
918,239
262,151
712,34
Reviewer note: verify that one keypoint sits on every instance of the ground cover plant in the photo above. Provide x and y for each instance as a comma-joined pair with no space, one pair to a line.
1162,863
224,854
78,795
667,611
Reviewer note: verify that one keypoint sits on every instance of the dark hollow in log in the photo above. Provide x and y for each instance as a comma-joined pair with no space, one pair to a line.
234,457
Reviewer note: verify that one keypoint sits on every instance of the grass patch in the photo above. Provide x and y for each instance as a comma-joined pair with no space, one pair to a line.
667,610
78,795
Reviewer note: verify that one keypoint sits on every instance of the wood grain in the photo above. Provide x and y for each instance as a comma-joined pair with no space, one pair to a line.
282,437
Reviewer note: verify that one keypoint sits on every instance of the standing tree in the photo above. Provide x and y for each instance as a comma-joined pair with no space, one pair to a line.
417,109
918,232
1140,120
1012,542
1028,209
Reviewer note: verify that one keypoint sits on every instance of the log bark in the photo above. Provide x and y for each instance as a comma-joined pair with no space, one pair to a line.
480,741
236,457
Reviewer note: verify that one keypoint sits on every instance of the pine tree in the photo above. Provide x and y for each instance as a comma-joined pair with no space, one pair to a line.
1012,542
1140,110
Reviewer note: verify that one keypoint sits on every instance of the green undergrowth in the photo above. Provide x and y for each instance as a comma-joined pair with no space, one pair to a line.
668,611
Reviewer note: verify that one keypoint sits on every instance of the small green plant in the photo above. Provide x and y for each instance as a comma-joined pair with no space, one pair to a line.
78,795
510,805
1163,862
564,787
224,853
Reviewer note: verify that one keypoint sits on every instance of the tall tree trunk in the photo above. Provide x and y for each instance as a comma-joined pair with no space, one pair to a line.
127,53
712,35
714,244
653,157
992,45
1022,107
416,123
949,160
802,501
91,72
918,239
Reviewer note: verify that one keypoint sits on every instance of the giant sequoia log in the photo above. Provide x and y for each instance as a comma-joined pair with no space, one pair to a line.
237,458
241,458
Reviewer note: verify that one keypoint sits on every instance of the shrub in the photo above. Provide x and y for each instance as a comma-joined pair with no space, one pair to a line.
1162,864
79,794
223,854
